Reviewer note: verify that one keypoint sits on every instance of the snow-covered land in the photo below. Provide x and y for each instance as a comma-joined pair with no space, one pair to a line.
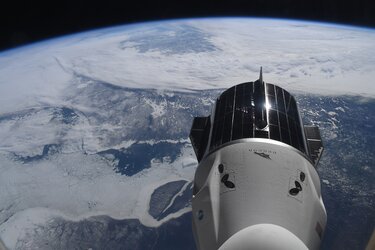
94,126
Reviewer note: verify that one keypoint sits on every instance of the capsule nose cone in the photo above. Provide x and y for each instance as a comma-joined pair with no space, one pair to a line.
263,237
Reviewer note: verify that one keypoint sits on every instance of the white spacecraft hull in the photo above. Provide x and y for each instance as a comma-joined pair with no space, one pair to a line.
256,185
263,173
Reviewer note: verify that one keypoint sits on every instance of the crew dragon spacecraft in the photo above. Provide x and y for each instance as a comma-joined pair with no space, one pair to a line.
256,184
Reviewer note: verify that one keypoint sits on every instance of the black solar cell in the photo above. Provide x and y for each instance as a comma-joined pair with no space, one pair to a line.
237,125
283,120
270,89
229,100
247,125
275,132
286,99
271,102
222,106
227,131
273,118
239,97
285,136
280,99
257,110
219,132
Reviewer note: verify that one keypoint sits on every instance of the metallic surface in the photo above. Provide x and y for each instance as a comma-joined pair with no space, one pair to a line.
256,184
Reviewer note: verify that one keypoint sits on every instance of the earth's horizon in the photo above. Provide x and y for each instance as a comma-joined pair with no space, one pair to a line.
94,148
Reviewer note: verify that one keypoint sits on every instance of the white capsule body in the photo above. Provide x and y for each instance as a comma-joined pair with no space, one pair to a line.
254,189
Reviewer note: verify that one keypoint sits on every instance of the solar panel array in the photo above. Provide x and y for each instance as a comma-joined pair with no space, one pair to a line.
257,110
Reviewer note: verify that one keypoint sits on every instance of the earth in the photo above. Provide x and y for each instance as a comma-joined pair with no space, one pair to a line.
94,148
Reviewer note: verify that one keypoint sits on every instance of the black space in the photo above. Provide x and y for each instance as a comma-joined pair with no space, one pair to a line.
26,22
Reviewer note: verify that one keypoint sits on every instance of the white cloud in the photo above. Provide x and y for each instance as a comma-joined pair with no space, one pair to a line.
316,58
308,57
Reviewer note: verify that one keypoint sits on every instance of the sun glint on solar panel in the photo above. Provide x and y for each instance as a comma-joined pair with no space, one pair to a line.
254,110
